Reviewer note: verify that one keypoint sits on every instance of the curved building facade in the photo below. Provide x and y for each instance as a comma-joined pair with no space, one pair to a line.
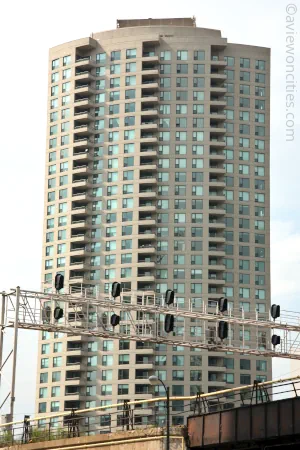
157,177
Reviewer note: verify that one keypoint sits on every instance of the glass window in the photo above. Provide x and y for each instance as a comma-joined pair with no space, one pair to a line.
182,55
165,55
131,53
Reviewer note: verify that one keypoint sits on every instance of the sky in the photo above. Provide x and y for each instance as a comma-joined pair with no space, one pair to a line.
27,30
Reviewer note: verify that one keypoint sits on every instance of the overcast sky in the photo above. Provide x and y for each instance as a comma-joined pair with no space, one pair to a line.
28,29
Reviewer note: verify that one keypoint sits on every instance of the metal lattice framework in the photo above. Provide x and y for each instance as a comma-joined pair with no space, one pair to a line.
142,319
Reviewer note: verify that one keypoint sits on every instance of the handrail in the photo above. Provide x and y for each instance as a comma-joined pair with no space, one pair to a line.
159,399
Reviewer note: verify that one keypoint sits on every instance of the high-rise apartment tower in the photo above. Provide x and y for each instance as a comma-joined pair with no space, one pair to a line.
157,176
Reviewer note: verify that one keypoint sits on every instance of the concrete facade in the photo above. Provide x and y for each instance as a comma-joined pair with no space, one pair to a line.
157,176
152,439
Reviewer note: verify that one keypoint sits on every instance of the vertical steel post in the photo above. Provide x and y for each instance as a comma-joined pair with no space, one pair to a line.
15,346
2,316
168,418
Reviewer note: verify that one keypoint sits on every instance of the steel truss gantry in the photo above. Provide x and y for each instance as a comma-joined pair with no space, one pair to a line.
142,317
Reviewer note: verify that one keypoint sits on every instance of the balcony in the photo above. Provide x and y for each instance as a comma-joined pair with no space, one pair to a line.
72,390
147,206
145,360
82,224
84,89
216,182
150,70
148,125
145,275
147,193
147,164
78,251
147,218
216,249
216,155
82,102
216,223
217,61
149,112
217,116
146,248
150,58
82,130
77,267
218,89
216,169
84,116
217,209
73,376
217,264
84,62
217,75
80,171
217,129
216,282
147,240
82,142
74,361
84,75
143,389
74,346
146,179
215,277
216,377
215,142
81,157
146,262
147,232
148,139
79,193
71,404
79,212
149,84
217,103
148,150
148,99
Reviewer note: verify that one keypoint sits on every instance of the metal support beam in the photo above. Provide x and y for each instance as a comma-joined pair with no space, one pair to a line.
15,347
2,328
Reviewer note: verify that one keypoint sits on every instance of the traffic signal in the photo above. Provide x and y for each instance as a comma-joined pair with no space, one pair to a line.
223,304
169,323
169,297
275,311
275,340
58,313
223,330
116,289
59,281
114,320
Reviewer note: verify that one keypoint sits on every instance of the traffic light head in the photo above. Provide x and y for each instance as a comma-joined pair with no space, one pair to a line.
58,313
275,311
223,304
169,323
275,340
59,281
114,320
169,297
223,330
115,289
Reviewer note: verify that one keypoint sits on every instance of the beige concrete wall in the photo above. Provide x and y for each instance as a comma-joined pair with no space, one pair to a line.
152,439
